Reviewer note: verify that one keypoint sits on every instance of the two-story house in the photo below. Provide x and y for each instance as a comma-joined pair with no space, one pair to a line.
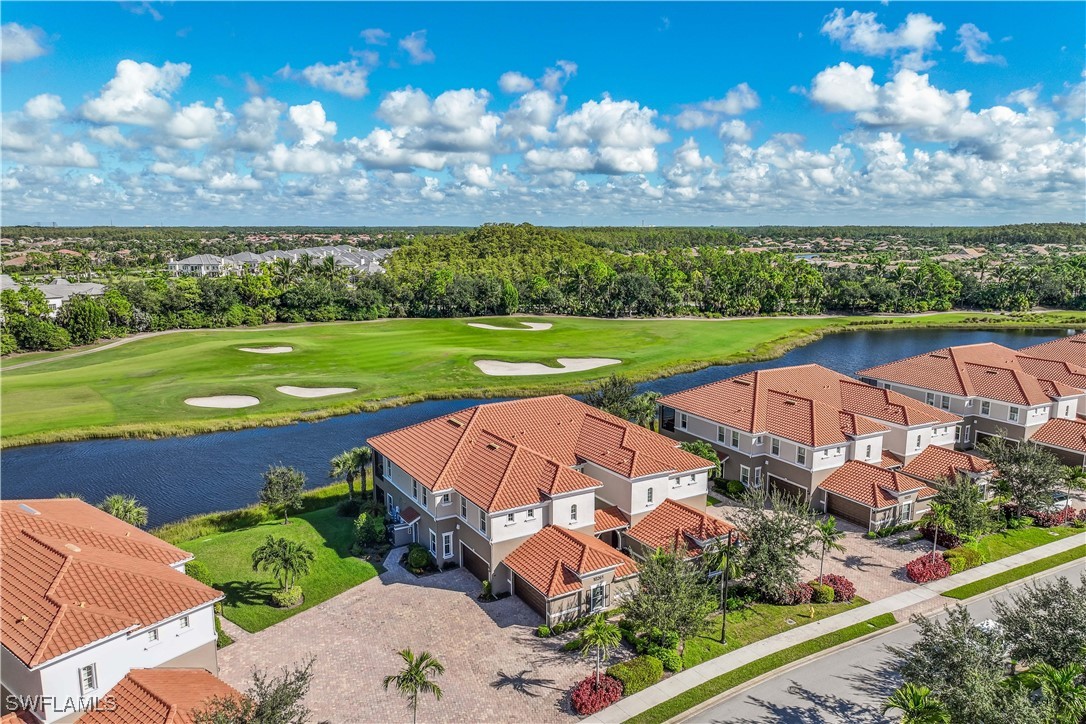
84,599
997,391
792,427
201,265
475,485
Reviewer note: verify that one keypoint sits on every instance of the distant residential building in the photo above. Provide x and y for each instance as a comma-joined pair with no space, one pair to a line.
201,265
58,291
353,259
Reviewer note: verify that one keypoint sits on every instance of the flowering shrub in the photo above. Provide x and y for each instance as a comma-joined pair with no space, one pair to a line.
946,540
588,698
798,594
928,567
1047,519
843,589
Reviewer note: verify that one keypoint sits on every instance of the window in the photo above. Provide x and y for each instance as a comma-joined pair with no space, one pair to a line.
677,481
463,507
1012,415
775,445
573,513
758,440
530,514
682,420
482,520
693,479
721,435
446,499
184,622
433,542
446,545
88,678
930,398
801,455
414,489
867,454
757,477
986,408
744,474
735,439
510,519
945,402
152,636
918,442
425,498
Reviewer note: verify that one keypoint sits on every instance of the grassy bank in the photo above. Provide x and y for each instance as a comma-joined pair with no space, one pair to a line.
1006,543
720,684
138,389
1001,579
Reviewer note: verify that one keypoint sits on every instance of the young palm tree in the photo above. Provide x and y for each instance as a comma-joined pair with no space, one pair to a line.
416,679
601,636
918,705
329,270
643,409
828,538
726,560
284,271
1063,692
287,560
126,508
938,516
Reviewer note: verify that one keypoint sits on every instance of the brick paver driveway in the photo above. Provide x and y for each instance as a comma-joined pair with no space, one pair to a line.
496,669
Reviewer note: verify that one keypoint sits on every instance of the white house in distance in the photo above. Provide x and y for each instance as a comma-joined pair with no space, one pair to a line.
84,599
58,291
351,258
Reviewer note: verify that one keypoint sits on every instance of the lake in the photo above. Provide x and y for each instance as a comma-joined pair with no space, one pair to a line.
182,476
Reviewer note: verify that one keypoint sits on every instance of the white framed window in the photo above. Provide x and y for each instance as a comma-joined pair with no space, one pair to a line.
88,678
985,408
184,622
735,438
677,481
918,442
757,477
693,479
482,520
1012,414
433,542
682,420
744,474
944,402
425,498
775,445
152,636
447,545
414,489
573,513
529,514
801,455
446,499
510,519
463,507
758,440
867,453
721,434
929,398
648,496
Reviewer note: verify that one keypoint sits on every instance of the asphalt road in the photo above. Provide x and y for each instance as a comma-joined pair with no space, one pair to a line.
848,686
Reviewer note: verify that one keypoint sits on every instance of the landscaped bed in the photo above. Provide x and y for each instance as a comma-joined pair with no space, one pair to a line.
228,557
1014,574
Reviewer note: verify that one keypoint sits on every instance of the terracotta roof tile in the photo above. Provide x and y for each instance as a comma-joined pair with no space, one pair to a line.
890,460
677,525
508,454
611,518
1063,433
871,485
553,560
161,696
1065,349
936,463
66,586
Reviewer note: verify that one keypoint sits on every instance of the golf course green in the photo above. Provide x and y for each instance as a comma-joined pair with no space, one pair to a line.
139,388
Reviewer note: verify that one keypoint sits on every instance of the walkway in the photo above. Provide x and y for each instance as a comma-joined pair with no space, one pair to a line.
919,599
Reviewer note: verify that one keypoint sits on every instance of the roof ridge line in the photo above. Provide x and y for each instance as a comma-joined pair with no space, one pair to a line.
468,427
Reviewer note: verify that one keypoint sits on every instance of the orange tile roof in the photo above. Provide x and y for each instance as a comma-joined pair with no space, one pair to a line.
554,560
69,584
890,460
983,370
160,696
1054,372
611,518
1065,349
508,454
871,485
677,525
809,404
1063,433
939,463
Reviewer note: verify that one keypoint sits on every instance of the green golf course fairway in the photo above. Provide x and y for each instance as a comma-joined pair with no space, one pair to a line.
139,388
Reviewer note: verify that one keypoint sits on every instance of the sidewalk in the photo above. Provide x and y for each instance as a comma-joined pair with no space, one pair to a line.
921,598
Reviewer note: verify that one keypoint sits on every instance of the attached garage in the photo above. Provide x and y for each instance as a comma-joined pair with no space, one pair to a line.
474,563
527,593
848,510
786,487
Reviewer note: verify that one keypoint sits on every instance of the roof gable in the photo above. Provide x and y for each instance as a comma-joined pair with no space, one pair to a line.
554,560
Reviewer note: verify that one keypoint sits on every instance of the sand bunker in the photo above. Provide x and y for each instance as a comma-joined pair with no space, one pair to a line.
223,401
528,326
497,368
267,350
313,391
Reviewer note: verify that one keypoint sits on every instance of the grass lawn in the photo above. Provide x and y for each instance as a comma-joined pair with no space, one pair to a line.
139,388
712,500
748,625
1001,579
1000,545
227,556
703,692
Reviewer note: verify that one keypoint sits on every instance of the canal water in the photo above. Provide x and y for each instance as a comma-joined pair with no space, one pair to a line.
182,476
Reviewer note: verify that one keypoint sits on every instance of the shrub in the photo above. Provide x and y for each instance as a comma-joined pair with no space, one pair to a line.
199,571
1048,519
799,594
543,632
928,567
946,540
222,639
289,597
733,488
963,558
668,657
588,698
369,529
843,589
637,674
821,592
417,558
572,645
349,508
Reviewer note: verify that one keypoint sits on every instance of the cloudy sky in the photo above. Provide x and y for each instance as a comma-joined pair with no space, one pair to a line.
727,114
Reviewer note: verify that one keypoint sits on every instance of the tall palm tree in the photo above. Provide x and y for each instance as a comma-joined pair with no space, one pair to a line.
938,517
287,560
126,508
284,271
601,636
1063,691
350,465
828,537
416,679
642,408
918,705
726,560
329,270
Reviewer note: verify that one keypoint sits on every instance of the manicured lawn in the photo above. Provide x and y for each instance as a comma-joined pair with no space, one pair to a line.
1000,545
703,692
140,388
754,624
712,500
228,557
1001,579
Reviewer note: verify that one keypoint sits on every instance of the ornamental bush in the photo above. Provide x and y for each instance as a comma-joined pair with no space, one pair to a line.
946,540
926,568
801,593
287,598
417,557
843,589
369,530
733,488
588,698
821,592
543,632
199,571
668,657
637,674
962,559
1048,519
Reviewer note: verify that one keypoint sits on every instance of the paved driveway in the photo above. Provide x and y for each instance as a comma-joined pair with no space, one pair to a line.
496,669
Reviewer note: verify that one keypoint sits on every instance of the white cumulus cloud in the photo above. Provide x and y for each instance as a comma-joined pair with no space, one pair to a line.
19,43
973,43
863,33
417,50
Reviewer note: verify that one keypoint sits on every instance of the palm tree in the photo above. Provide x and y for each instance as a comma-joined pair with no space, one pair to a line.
643,408
126,508
329,270
918,705
415,679
287,560
601,636
938,516
828,537
284,271
1062,690
350,465
727,562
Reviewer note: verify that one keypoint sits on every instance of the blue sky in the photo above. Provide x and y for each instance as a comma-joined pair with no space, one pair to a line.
571,113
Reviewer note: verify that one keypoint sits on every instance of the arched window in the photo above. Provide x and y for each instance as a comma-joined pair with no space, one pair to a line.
573,513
